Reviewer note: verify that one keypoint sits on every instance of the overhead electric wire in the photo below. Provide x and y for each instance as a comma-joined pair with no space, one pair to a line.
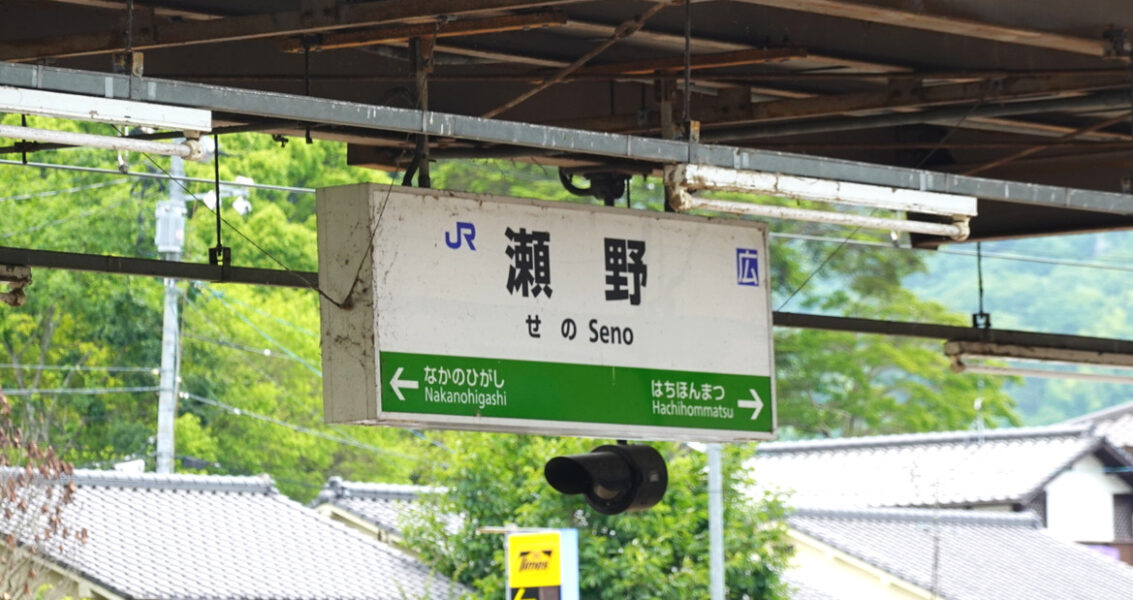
202,285
82,215
267,336
294,427
80,391
291,356
146,175
110,369
265,352
72,190
996,255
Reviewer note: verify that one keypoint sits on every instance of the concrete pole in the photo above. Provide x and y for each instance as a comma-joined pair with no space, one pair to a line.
715,523
170,239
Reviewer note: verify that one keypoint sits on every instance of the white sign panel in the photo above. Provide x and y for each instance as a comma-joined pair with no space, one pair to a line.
499,314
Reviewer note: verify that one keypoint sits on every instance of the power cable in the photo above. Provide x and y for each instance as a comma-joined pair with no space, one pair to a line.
73,190
108,369
293,355
165,175
62,220
201,285
299,428
290,356
1123,266
81,391
265,352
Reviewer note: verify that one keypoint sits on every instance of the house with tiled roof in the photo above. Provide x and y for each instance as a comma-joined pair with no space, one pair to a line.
1076,481
945,554
167,537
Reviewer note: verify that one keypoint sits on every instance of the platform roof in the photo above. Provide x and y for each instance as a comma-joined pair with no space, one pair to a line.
1036,92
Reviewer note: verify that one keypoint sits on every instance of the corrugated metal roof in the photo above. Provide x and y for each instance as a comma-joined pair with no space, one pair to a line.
947,469
978,555
161,537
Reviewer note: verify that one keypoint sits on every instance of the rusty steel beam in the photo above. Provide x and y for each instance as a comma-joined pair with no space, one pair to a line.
876,13
626,29
140,5
889,98
444,29
717,60
1062,145
166,34
1032,128
1039,147
704,44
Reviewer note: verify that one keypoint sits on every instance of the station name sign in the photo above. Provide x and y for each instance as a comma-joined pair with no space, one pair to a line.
500,314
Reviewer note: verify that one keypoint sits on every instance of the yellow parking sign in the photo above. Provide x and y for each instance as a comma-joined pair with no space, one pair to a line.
533,560
542,565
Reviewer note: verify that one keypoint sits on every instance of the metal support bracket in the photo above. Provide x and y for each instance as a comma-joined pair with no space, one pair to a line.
1120,46
18,277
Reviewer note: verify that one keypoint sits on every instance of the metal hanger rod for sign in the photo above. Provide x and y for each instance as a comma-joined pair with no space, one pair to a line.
651,150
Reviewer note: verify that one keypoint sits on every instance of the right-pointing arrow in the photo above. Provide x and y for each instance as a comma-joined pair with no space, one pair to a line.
756,404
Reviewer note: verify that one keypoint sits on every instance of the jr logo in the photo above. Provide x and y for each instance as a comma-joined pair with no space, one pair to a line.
747,266
464,231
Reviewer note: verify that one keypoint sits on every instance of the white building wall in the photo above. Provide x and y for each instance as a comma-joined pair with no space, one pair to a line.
1079,502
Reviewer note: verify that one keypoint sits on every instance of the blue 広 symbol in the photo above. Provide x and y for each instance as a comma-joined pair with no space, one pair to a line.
747,266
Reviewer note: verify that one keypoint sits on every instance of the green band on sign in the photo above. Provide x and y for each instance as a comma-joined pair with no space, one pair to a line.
479,387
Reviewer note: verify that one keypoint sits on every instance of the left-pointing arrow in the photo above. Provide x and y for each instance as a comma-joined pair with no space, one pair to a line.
398,384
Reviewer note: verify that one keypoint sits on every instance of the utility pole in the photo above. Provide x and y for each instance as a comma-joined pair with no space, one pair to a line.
715,523
170,240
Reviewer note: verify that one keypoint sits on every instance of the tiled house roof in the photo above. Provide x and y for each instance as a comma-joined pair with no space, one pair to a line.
1116,423
932,469
383,505
159,537
978,555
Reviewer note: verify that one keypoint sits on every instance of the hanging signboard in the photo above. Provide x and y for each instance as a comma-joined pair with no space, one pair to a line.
499,314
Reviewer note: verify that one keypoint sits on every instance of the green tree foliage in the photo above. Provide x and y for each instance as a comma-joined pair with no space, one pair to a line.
1063,284
496,480
251,379
843,384
64,323
251,383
